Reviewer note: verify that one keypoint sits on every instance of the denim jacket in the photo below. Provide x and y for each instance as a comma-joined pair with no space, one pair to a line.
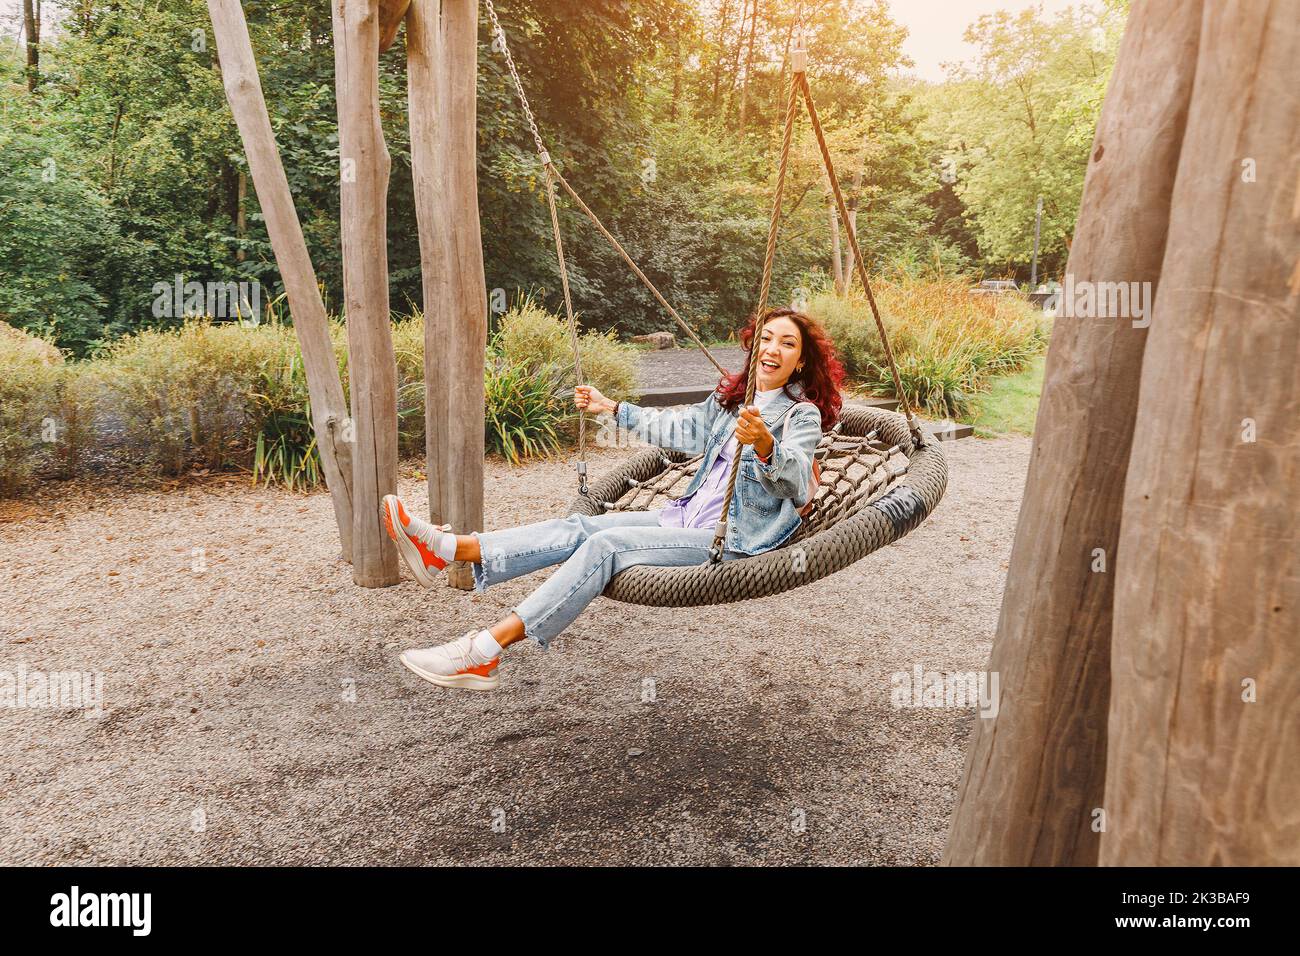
765,507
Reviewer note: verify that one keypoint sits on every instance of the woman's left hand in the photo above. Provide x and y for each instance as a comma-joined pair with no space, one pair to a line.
752,430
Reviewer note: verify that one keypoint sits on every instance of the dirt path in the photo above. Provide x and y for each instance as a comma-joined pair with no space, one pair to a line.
684,366
257,712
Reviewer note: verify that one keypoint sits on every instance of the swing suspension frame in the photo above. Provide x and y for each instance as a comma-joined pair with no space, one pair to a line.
799,89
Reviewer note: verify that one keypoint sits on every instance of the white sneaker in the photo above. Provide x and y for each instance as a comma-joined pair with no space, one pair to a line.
415,540
454,664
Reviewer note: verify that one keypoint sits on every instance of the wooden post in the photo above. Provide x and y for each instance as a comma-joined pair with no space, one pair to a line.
329,411
837,264
32,29
855,196
1038,230
442,52
1035,772
1205,708
372,365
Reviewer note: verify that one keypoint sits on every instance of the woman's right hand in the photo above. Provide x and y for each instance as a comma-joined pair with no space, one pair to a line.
588,398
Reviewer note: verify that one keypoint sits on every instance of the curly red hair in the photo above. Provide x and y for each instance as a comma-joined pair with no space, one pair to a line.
821,375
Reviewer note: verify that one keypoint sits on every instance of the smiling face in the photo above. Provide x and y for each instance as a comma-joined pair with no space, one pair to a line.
780,351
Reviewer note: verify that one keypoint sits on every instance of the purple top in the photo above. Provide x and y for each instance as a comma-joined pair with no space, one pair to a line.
703,508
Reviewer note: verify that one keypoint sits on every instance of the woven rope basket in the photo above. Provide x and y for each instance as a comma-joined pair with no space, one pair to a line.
848,521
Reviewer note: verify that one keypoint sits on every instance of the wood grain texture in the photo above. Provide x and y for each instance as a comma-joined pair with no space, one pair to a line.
372,365
329,409
391,15
1208,583
442,56
1035,772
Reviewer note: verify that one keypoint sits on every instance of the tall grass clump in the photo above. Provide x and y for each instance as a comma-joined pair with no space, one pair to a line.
193,396
284,449
947,342
47,410
528,380
220,395
525,404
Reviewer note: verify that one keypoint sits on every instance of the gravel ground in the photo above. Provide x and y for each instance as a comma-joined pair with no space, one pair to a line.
684,366
256,711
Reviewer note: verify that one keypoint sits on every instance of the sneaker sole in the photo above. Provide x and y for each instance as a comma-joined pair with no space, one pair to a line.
459,681
410,554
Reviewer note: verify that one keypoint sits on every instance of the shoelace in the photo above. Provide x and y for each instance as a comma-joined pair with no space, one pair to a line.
462,648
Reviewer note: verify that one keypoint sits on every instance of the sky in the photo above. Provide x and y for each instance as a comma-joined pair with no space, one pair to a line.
935,27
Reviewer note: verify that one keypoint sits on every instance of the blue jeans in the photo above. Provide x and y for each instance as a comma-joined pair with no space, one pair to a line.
590,551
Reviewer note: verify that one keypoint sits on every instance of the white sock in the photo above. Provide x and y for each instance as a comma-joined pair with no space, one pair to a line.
486,646
445,547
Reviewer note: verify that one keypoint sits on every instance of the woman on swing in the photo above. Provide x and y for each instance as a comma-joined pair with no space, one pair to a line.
797,398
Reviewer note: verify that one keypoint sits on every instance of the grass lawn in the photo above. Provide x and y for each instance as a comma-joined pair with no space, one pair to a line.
1011,403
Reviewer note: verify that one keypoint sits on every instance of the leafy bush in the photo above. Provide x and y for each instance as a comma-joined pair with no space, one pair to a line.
530,335
28,387
47,410
216,395
537,342
189,395
530,342
78,388
946,342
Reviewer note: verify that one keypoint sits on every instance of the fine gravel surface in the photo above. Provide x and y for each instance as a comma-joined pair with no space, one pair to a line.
255,710
684,365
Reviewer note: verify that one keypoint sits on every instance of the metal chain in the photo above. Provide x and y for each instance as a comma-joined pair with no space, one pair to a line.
573,327
552,177
514,76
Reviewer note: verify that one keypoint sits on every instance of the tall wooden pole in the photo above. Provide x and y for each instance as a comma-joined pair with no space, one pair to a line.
372,365
1035,772
837,264
442,54
1203,765
329,411
32,27
851,227
1038,229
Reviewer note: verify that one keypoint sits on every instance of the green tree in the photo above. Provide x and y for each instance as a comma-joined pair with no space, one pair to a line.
1018,124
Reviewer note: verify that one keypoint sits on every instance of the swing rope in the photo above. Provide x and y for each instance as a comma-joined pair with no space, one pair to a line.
798,85
552,177
751,378
637,269
801,81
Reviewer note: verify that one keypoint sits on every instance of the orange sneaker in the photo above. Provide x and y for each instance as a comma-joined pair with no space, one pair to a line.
415,539
454,664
